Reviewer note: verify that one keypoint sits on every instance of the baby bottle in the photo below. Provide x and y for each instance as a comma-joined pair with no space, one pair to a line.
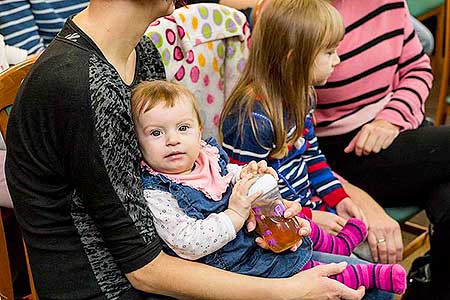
279,233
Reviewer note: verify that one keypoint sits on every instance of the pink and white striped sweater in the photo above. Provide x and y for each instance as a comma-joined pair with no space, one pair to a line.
383,73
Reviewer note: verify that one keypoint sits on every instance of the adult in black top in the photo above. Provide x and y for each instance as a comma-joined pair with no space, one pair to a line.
72,171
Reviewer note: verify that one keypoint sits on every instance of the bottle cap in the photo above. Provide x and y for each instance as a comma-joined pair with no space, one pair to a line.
264,183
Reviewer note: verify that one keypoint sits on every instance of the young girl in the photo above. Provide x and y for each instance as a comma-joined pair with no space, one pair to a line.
203,221
269,114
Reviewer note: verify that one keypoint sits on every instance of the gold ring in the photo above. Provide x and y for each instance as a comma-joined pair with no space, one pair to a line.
381,241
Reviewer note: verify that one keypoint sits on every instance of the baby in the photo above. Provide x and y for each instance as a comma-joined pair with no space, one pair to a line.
204,219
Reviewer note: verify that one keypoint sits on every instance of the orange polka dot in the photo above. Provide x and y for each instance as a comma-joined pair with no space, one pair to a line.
215,65
210,45
194,23
182,17
201,60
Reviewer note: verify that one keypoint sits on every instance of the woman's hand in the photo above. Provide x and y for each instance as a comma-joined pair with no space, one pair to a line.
385,239
348,209
373,137
380,227
320,287
330,222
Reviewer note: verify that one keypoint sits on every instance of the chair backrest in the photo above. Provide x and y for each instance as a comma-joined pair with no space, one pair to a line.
204,47
10,81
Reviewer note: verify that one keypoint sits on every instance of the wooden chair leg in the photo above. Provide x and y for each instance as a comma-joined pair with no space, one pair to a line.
30,275
443,108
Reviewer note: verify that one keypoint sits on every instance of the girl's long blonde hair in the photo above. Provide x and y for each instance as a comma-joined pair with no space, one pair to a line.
279,72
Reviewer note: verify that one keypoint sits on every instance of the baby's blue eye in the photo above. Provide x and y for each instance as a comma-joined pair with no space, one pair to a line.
183,128
156,133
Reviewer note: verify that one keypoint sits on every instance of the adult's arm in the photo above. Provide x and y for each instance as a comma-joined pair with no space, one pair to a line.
190,280
406,107
19,26
380,226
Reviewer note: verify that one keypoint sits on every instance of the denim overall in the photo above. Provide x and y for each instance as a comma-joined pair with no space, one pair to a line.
241,255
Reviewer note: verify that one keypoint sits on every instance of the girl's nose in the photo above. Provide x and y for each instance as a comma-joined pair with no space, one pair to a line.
336,59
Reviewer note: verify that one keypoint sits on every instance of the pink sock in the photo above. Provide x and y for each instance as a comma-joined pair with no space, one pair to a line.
391,278
351,235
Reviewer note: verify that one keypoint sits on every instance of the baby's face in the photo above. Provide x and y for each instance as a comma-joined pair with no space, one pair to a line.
169,137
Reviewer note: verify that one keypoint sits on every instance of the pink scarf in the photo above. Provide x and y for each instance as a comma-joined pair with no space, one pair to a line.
205,176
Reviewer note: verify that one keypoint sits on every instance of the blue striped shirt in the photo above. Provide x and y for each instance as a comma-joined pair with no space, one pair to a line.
32,24
303,172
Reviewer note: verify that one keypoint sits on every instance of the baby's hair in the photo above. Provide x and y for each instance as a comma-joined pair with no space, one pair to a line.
279,72
148,94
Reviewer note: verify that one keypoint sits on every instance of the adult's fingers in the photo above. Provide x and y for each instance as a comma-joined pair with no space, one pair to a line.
351,294
292,208
398,244
373,245
251,222
370,143
359,146
351,146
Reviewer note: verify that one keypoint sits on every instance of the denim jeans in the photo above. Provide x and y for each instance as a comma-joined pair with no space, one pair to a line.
372,294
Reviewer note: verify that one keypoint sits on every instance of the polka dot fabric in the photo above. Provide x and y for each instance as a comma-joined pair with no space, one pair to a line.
204,47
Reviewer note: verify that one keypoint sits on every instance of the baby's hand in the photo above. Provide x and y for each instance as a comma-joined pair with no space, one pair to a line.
240,203
256,168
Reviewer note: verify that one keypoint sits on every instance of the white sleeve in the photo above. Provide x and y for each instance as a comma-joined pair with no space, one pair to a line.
190,238
15,55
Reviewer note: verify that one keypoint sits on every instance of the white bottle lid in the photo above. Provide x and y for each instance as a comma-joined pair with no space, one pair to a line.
264,183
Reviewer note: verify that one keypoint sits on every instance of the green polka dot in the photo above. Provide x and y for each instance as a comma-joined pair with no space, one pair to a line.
203,12
206,31
222,71
225,11
221,50
218,19
231,25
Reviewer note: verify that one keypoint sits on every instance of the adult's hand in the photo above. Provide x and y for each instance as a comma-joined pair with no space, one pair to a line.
373,137
385,239
317,286
380,227
330,222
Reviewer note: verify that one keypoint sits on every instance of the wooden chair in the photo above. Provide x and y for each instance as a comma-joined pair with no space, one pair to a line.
10,81
443,109
424,10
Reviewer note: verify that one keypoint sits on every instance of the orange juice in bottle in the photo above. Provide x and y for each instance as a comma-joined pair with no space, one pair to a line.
279,233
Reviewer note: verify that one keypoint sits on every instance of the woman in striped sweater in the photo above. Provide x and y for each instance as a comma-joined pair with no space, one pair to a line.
370,119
